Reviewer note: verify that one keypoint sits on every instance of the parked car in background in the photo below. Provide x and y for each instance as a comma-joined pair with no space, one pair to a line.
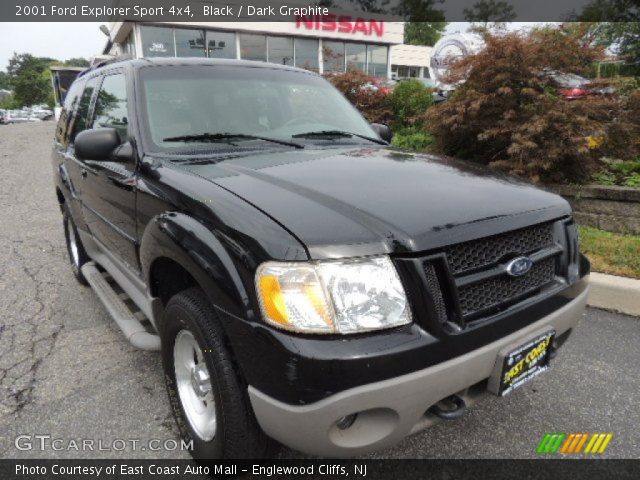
383,85
35,113
41,111
572,86
20,116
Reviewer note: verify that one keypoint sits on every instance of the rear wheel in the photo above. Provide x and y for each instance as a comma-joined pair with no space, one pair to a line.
77,255
208,398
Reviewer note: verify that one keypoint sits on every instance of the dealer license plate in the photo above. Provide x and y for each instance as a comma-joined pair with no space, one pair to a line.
522,363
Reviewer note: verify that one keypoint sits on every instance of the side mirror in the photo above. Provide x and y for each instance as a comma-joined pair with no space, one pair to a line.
98,144
383,131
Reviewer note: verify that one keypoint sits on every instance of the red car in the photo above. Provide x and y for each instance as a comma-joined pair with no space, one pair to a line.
572,86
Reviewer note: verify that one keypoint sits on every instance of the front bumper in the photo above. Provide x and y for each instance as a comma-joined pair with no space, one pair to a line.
391,409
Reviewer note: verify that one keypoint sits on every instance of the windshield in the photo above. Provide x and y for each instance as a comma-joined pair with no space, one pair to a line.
188,101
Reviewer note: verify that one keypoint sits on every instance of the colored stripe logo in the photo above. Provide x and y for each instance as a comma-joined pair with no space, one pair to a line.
574,443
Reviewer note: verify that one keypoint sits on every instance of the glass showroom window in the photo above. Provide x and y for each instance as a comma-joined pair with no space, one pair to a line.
190,43
377,60
129,45
333,56
356,55
306,52
221,44
253,47
406,72
281,50
157,41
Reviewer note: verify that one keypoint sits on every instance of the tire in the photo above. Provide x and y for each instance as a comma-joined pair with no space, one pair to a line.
77,254
190,322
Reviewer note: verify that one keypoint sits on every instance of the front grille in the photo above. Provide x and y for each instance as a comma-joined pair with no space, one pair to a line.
483,252
435,292
483,295
468,281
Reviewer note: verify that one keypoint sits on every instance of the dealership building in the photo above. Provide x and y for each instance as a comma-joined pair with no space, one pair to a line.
321,46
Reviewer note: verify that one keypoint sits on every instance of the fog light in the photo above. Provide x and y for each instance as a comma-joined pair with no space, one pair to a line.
347,421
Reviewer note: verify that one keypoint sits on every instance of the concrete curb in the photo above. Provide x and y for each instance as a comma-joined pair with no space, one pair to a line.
615,293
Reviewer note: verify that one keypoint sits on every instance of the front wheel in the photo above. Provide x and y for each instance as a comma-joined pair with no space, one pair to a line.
209,401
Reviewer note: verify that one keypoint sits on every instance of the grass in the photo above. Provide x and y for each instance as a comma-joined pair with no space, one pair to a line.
611,253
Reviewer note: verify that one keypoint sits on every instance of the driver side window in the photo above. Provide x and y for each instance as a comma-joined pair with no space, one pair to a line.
81,116
111,105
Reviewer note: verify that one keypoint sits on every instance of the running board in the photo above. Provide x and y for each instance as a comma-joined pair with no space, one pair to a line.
135,332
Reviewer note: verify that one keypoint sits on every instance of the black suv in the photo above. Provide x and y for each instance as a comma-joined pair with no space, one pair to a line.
302,280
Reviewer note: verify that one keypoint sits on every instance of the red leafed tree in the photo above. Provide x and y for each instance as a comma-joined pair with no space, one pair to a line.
372,103
507,112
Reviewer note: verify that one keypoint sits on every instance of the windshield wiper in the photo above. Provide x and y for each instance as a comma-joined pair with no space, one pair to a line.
337,133
219,137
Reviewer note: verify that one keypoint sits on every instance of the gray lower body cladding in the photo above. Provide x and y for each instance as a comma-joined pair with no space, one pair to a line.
391,409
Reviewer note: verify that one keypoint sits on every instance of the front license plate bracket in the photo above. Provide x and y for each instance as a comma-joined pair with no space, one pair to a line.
521,361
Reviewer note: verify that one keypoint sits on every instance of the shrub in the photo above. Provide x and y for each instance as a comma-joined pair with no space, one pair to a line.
507,113
625,173
622,127
9,103
409,101
412,138
372,104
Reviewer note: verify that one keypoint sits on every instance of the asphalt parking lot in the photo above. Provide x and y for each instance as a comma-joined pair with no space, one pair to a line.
67,372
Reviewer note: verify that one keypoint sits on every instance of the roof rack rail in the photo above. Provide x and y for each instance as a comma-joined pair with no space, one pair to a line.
106,61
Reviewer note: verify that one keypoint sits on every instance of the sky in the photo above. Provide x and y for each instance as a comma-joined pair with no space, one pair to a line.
55,40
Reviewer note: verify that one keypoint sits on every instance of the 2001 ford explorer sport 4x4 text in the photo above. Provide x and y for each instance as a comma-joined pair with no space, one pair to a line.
303,281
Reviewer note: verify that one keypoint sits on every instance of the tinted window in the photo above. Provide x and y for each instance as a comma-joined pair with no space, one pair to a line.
281,50
307,53
111,105
81,116
377,56
70,103
190,43
356,56
333,56
253,47
157,42
221,44
275,103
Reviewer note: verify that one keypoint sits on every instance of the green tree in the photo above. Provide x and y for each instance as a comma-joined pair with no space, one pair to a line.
614,23
624,37
30,79
409,101
489,11
423,33
77,62
609,11
5,81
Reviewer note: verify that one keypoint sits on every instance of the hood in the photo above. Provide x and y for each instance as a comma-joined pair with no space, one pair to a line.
367,201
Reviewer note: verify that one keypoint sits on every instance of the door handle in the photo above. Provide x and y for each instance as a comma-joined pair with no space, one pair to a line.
83,173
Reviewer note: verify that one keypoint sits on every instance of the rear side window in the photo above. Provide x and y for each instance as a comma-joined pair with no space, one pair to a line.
111,105
82,112
70,104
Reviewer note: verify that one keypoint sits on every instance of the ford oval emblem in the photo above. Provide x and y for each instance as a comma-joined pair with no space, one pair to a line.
519,266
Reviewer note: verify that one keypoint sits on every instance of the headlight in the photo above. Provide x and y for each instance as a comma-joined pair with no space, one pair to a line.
346,296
